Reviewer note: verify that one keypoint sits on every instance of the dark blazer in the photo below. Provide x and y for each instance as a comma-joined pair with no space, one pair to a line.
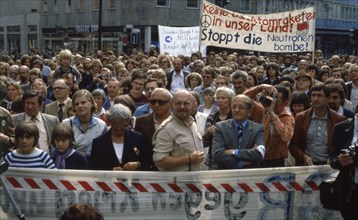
103,155
342,138
225,137
349,90
170,78
303,119
145,125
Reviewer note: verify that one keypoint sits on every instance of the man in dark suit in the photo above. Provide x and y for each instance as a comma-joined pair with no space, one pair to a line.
59,107
352,86
345,135
238,142
159,102
176,78
33,102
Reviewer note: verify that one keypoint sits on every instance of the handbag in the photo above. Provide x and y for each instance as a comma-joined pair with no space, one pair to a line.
331,192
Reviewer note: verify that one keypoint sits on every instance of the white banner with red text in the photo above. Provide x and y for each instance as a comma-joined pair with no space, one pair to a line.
277,193
291,31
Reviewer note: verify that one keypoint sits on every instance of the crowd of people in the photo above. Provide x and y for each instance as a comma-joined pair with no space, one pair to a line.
150,111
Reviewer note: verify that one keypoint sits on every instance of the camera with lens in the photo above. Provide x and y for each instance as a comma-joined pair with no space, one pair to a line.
100,76
266,101
353,151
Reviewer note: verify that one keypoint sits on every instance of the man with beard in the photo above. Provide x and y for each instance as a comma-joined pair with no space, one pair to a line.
176,78
87,77
336,100
24,74
177,143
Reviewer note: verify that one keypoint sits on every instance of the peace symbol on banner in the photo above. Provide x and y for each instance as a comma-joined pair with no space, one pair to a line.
205,21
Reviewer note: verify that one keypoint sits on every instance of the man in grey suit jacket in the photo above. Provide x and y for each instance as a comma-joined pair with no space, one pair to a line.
33,101
232,150
61,91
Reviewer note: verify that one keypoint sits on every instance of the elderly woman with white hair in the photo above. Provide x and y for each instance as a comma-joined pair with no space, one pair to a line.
119,148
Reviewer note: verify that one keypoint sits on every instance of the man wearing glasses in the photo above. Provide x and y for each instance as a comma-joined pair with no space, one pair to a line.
177,143
160,102
59,107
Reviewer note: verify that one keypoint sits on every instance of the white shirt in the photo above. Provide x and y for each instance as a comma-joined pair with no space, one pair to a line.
43,140
118,148
177,82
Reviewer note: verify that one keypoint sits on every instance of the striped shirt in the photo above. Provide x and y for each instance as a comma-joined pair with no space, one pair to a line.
37,159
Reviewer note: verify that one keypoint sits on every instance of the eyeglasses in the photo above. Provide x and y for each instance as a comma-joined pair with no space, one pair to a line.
59,88
160,102
163,61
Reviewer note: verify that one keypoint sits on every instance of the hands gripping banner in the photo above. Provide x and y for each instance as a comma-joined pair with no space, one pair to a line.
292,31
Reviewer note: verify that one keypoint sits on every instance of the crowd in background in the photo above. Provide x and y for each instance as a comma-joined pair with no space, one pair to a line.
74,106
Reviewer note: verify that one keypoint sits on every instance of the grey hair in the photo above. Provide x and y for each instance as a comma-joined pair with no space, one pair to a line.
119,112
239,74
100,93
230,94
169,94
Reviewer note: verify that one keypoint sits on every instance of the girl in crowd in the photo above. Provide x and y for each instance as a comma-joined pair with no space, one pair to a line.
27,154
272,74
40,86
13,90
208,107
100,98
299,103
64,155
85,125
193,80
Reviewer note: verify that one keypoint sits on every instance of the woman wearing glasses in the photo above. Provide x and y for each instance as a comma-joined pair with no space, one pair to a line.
119,149
165,63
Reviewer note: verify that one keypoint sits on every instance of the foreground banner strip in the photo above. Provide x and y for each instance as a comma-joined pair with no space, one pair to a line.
280,193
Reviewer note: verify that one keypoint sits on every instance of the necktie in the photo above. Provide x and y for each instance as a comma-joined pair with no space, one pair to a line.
33,120
60,111
239,134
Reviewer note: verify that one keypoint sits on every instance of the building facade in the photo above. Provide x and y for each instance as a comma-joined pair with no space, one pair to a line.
51,25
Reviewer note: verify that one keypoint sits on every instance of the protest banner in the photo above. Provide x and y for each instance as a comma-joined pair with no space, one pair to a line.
274,193
178,40
286,32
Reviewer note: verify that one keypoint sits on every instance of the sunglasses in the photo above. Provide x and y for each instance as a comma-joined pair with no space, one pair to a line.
160,102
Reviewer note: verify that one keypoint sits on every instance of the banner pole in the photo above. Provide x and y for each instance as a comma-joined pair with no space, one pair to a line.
200,14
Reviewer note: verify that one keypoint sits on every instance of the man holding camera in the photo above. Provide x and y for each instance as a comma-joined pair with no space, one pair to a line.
345,158
311,143
278,122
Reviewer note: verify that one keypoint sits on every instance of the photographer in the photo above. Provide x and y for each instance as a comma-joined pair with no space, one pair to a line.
278,122
345,159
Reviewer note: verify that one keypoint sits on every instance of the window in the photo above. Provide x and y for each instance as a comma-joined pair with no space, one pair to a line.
1,29
111,4
163,3
55,6
13,29
45,8
32,28
68,6
192,3
95,4
245,5
81,5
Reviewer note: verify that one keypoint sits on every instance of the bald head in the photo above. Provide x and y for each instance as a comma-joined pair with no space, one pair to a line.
182,104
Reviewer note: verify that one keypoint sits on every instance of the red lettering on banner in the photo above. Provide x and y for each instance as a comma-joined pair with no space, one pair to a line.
214,10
